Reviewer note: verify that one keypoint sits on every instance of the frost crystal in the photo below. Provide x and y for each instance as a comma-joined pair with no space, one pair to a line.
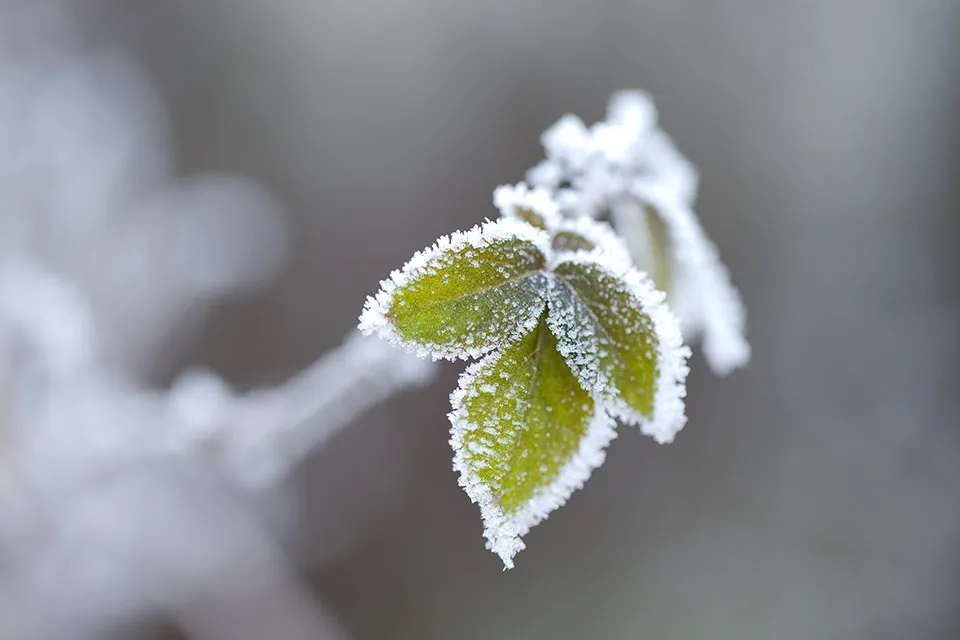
534,206
616,330
623,168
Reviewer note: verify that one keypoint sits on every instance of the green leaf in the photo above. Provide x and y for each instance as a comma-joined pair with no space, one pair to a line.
621,340
467,294
648,241
531,217
525,436
570,241
708,305
659,250
536,207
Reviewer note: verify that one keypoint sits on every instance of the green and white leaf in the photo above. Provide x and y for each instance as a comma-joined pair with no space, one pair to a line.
536,207
539,208
645,235
578,235
468,294
621,340
525,436
701,293
624,165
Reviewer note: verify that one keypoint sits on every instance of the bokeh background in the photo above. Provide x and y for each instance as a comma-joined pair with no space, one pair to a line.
815,494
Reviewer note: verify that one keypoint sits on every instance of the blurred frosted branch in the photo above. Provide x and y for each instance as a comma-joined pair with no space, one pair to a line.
261,436
117,498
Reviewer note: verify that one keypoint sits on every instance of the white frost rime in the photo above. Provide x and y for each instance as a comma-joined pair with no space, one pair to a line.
504,532
575,328
481,438
597,299
516,320
703,297
511,199
616,169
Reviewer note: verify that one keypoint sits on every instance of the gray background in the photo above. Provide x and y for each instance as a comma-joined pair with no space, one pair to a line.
813,495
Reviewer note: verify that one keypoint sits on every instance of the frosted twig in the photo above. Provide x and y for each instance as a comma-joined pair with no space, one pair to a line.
106,257
261,436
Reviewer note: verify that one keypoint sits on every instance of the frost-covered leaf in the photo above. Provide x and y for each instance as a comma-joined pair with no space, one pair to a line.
702,294
628,167
578,235
469,293
571,241
646,237
621,341
534,206
525,436
531,217
539,208
573,334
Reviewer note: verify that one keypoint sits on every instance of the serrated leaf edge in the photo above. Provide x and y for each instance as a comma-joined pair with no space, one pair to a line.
504,533
669,415
374,318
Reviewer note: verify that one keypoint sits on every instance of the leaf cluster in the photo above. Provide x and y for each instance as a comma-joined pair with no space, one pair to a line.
570,338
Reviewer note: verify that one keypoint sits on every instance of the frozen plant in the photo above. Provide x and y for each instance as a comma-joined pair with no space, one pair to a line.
572,320
628,171
571,336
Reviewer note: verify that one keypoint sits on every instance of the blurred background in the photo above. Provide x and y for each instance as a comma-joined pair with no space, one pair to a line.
815,494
